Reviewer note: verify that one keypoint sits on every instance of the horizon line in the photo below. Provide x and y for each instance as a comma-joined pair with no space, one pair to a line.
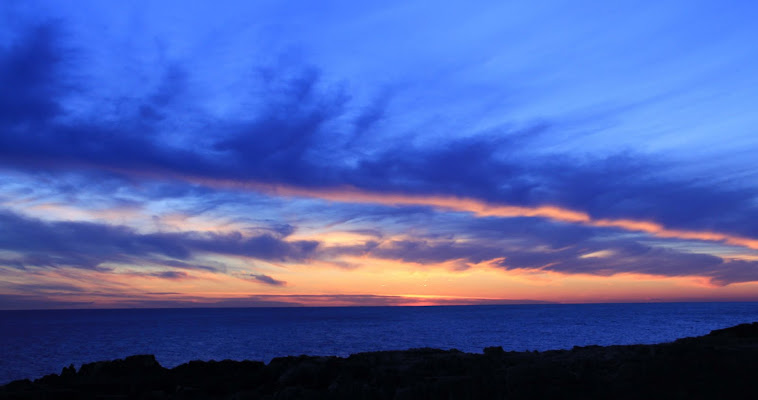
516,303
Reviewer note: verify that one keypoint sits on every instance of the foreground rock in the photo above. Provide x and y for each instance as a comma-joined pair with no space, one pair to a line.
722,364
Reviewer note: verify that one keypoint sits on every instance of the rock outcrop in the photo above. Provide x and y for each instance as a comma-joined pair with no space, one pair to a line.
722,364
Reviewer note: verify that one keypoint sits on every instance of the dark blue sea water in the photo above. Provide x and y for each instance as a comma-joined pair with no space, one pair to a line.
35,343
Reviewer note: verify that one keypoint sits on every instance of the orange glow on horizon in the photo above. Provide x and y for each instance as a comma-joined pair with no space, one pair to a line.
371,282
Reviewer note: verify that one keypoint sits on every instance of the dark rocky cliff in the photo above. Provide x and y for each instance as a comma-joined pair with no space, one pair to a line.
722,364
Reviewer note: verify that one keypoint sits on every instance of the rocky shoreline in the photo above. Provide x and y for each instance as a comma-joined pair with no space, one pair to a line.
722,364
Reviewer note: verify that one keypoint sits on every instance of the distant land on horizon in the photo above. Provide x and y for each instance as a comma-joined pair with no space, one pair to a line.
285,304
303,305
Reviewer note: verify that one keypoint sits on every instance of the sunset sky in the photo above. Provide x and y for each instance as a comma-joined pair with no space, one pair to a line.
261,153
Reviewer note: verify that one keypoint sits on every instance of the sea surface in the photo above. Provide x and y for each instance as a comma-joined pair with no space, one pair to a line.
35,343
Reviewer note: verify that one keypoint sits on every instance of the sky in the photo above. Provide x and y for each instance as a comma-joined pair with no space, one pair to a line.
339,153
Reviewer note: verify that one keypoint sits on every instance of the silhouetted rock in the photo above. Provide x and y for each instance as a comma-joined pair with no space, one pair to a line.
740,331
718,365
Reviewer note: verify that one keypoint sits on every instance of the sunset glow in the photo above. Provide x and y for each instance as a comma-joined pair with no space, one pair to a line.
377,155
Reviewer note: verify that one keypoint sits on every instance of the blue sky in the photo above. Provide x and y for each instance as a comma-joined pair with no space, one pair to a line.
552,151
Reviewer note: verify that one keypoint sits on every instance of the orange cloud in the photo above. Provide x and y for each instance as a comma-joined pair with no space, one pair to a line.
481,209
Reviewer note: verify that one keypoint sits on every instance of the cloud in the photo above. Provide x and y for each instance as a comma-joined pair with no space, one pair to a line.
267,280
32,77
632,186
171,275
89,245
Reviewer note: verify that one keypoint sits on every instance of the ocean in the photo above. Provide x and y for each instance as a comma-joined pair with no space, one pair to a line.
40,342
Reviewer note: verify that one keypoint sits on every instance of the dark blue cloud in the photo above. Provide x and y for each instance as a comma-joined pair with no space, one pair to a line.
173,275
89,245
628,185
32,77
295,137
262,278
